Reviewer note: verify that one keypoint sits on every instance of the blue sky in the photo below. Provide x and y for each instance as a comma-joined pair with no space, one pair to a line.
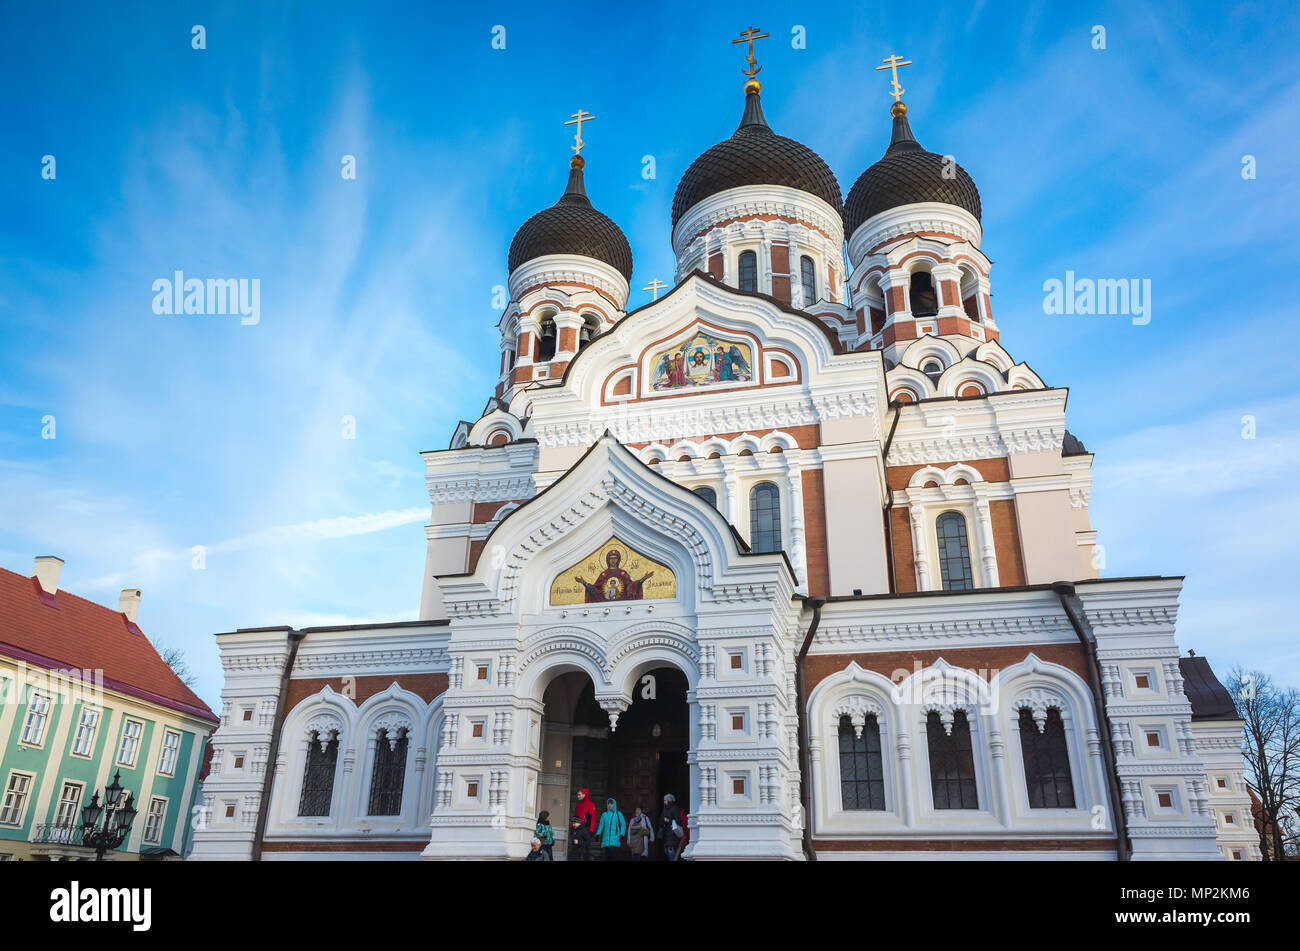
376,294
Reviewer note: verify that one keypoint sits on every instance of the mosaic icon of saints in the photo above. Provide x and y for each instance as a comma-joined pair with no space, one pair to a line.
614,584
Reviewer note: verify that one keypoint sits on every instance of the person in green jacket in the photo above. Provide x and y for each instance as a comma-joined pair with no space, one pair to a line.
611,830
545,834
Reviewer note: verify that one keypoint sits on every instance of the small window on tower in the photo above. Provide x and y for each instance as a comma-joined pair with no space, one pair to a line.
707,494
808,277
933,369
748,271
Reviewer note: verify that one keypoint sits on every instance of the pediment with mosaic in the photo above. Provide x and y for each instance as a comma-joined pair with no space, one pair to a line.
613,572
702,359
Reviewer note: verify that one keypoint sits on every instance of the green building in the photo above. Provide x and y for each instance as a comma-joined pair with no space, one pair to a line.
84,699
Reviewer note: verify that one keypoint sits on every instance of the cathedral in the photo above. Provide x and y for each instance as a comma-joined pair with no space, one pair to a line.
799,542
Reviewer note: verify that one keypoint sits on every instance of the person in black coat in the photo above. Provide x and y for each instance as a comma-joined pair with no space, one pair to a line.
579,840
671,828
538,854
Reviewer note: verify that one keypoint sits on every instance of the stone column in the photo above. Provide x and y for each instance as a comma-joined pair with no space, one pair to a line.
920,550
984,537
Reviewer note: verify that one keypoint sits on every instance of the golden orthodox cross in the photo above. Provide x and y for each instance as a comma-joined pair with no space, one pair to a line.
655,287
749,36
892,64
578,118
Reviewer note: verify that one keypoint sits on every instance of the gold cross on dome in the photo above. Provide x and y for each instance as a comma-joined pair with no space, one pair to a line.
892,63
655,286
749,36
578,118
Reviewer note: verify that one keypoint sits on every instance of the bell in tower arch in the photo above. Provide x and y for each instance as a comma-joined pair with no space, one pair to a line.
925,302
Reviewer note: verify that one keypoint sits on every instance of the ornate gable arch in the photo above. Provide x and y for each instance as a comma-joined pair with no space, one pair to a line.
608,492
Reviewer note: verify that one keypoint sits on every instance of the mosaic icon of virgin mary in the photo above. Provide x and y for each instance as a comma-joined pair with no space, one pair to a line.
614,584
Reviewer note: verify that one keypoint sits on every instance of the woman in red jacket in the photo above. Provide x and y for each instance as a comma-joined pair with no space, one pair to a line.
585,810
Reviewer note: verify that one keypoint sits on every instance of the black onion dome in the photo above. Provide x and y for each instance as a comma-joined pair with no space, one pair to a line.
905,175
755,155
572,226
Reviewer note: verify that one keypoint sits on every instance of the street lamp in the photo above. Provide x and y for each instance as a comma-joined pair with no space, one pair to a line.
117,815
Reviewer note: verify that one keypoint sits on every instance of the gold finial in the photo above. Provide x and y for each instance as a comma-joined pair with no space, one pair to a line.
892,63
655,286
749,36
578,118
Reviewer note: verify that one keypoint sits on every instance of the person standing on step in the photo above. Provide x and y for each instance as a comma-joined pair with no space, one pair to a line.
579,840
671,828
545,834
640,835
611,829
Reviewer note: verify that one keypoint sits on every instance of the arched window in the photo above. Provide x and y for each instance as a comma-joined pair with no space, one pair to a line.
921,292
589,331
933,369
862,773
748,271
707,494
318,777
808,275
389,774
764,518
969,290
952,762
546,341
954,552
1047,761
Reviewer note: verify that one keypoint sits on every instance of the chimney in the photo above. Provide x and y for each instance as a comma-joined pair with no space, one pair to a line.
47,572
129,603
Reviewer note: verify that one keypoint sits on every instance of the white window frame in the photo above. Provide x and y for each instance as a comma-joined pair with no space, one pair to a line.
984,792
121,746
156,838
91,737
38,706
885,719
164,767
5,803
73,817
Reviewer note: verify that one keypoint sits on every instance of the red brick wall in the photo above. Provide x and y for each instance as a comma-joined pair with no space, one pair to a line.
993,470
904,564
1006,542
814,533
781,266
425,686
963,845
950,293
989,660
365,845
715,265
894,299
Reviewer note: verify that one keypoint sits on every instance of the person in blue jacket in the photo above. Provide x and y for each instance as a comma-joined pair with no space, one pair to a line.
611,830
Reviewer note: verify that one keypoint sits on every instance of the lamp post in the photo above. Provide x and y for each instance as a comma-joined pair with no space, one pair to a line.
117,818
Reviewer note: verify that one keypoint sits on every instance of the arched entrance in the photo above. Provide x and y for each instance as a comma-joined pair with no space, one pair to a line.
636,764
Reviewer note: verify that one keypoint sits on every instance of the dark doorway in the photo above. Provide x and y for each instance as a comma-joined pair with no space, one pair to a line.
645,758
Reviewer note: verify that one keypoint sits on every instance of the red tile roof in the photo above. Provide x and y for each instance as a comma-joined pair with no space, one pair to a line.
65,631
